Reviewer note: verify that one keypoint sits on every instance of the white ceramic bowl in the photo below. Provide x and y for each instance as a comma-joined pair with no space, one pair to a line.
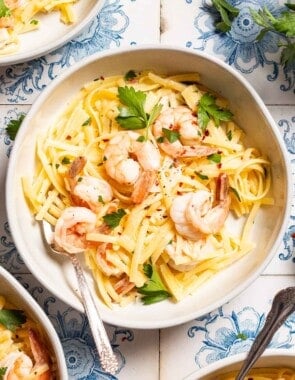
15,293
52,33
251,114
270,358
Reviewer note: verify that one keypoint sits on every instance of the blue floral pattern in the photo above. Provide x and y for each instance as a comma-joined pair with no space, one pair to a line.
239,46
224,335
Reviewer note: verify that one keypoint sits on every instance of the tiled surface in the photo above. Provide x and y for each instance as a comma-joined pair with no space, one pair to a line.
175,352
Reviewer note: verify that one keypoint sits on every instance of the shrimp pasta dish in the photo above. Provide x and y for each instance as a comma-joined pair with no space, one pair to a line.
21,16
23,351
145,174
278,373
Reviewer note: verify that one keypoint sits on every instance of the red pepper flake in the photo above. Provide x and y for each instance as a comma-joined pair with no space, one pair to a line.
69,137
293,235
219,165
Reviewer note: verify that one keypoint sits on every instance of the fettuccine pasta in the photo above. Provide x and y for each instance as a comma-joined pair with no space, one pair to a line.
21,16
280,373
138,174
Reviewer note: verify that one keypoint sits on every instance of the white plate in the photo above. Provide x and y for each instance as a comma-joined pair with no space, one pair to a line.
15,293
52,32
58,275
270,358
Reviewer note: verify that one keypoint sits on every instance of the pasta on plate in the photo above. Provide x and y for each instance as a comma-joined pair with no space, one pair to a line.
23,351
146,175
21,16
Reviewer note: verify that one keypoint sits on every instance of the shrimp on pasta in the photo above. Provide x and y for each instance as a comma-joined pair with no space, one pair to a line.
180,120
24,353
132,163
158,186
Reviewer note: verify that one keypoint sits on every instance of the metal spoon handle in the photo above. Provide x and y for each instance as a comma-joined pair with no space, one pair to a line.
108,360
282,306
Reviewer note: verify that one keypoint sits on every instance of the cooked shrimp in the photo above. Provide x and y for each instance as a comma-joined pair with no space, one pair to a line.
194,215
132,163
178,215
105,266
87,191
71,228
201,213
20,366
181,119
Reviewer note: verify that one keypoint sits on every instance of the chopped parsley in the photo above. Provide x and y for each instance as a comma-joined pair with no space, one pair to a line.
11,318
130,75
100,199
87,122
153,290
132,114
113,219
208,109
4,10
215,157
14,125
65,161
171,136
2,372
202,176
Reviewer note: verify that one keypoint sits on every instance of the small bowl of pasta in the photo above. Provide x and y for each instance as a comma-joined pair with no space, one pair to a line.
30,347
48,24
272,365
163,171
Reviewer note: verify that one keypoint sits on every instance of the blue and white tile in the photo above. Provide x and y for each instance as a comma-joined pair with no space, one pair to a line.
190,24
226,331
284,260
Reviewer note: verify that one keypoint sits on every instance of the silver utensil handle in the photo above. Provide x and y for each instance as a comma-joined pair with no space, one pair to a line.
108,359
282,306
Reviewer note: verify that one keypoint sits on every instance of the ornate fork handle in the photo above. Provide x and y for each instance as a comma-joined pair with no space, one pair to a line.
107,358
282,306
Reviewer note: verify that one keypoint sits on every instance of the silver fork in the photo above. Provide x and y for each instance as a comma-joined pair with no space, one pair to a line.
282,306
108,359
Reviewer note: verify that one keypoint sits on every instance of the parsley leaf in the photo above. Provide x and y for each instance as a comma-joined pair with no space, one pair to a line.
288,56
4,10
209,109
284,24
12,319
2,372
153,290
132,115
13,126
171,136
227,13
113,219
